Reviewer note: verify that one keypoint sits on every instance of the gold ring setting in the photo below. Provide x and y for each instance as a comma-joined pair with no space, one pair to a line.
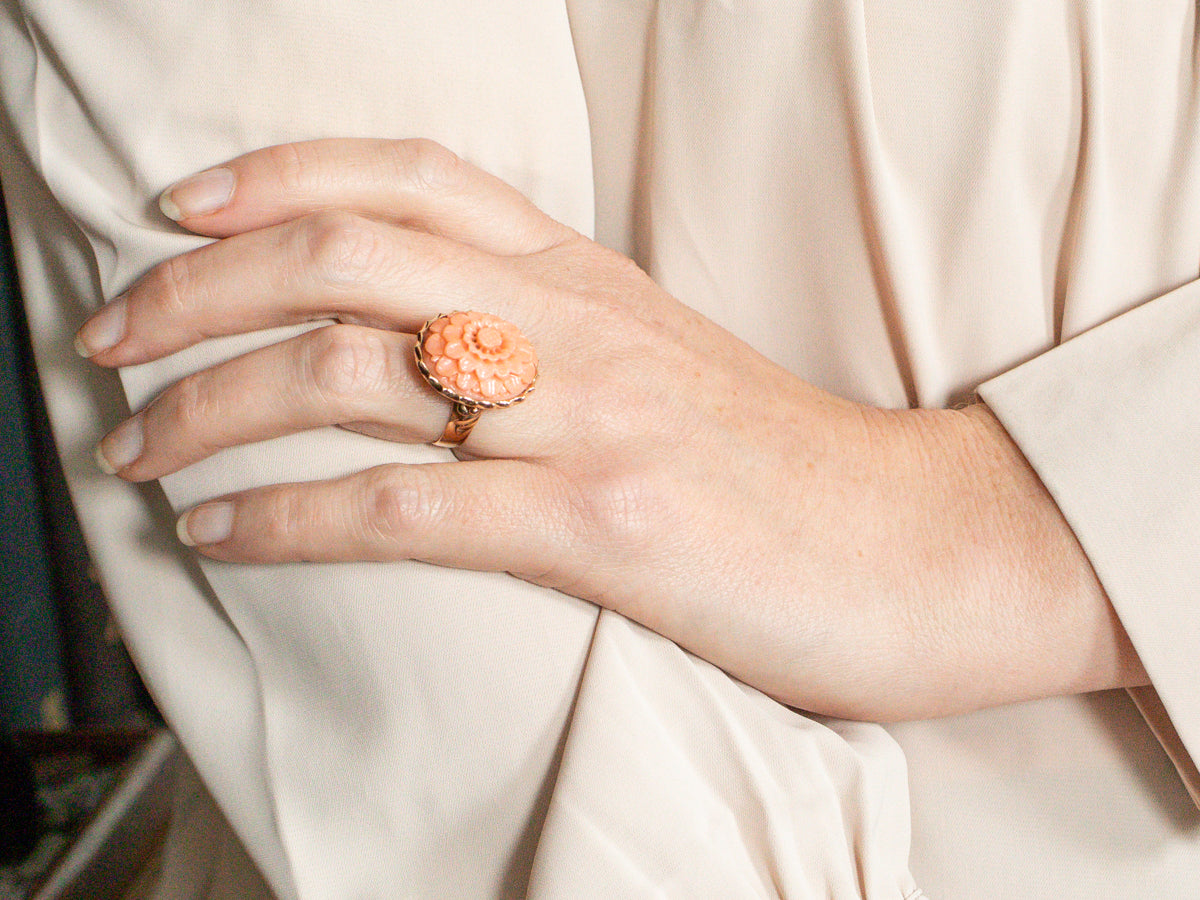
477,361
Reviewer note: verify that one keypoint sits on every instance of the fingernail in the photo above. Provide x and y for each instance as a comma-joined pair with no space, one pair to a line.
197,196
207,524
121,447
103,330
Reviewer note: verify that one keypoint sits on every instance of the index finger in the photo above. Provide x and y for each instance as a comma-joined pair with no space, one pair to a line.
417,183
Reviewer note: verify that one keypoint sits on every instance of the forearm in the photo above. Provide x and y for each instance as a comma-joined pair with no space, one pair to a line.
921,568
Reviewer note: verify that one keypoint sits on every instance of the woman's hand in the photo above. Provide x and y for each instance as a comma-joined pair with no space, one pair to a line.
849,560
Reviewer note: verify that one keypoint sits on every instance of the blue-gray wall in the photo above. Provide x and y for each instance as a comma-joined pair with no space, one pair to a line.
61,660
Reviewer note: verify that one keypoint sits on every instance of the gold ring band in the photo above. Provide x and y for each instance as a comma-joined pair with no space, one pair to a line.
463,417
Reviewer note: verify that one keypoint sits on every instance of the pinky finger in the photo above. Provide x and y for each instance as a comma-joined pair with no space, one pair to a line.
486,515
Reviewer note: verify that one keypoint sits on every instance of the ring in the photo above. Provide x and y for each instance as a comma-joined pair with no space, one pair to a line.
478,361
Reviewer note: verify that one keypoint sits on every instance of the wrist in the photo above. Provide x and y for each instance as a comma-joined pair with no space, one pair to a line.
1062,630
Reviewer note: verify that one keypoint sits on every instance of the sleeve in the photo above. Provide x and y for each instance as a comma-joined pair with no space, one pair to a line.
1109,421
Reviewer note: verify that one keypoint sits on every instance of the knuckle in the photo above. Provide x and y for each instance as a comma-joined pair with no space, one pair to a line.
296,166
346,364
400,508
619,270
288,516
425,163
194,408
342,248
616,510
174,285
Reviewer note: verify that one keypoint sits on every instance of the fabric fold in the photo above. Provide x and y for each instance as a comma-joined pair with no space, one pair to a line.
719,811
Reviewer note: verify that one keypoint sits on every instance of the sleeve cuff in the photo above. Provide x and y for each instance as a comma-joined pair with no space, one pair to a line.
1151,707
1110,420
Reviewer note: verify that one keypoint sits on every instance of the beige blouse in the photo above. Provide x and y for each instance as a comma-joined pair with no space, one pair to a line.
902,202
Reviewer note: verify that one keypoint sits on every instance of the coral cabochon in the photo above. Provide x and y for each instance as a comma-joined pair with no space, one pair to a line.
476,358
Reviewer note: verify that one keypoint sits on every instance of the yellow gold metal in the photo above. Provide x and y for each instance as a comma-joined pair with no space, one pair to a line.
463,417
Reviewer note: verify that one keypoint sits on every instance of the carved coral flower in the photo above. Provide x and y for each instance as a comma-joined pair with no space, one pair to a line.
477,358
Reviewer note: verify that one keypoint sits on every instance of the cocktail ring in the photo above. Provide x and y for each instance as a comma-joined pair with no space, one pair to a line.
478,361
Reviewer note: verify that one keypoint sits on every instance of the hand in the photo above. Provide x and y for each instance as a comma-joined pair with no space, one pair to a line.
849,560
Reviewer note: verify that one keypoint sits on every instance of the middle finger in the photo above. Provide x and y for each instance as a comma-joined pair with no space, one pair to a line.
334,265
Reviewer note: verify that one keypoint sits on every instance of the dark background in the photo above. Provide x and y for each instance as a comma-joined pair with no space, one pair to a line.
72,709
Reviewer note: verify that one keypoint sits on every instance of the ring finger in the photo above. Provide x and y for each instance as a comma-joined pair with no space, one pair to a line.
359,377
